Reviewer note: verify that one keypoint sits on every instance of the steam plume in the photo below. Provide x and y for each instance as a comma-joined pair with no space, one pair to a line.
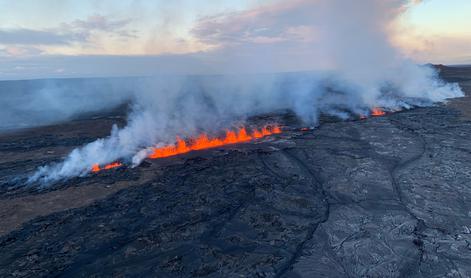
364,70
39,102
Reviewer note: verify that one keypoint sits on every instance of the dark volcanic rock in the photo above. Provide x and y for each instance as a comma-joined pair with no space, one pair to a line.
382,197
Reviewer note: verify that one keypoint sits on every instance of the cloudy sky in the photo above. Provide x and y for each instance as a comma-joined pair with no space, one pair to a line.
62,38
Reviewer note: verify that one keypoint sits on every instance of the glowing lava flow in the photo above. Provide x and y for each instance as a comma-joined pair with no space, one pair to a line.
96,167
376,111
199,143
204,142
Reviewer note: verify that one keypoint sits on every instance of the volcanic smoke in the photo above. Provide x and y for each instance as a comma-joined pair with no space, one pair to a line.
200,143
364,70
204,142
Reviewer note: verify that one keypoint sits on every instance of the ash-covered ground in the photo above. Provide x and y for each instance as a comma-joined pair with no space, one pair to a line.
382,197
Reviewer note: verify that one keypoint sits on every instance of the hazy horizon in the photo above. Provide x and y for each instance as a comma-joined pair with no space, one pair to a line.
51,39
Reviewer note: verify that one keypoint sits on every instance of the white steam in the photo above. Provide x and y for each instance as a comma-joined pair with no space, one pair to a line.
365,71
28,103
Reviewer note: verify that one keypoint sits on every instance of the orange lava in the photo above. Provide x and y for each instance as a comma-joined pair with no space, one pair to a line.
204,142
96,167
199,143
376,111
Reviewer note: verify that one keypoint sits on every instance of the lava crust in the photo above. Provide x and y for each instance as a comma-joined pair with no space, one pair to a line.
386,196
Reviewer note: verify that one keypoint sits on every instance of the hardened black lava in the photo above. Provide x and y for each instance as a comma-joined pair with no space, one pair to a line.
381,197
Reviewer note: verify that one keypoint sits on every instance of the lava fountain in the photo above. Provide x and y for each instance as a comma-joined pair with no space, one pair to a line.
201,142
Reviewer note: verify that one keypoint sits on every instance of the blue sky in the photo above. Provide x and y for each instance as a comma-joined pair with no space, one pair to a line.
61,37
443,17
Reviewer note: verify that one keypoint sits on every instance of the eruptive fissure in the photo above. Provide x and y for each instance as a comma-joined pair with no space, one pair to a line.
376,111
204,142
96,167
201,142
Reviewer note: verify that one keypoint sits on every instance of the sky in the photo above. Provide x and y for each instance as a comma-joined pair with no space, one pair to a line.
68,38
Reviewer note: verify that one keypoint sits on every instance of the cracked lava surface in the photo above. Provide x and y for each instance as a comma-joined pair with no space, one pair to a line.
387,196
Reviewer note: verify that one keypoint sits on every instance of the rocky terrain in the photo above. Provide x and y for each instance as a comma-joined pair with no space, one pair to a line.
386,196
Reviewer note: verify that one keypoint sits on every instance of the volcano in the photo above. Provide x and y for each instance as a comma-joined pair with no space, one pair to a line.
384,196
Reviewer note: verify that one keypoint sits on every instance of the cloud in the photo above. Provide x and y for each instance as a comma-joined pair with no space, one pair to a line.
100,23
49,66
440,49
276,23
302,34
22,41
28,36
280,36
24,50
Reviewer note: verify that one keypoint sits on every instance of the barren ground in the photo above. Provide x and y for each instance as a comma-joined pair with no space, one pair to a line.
382,197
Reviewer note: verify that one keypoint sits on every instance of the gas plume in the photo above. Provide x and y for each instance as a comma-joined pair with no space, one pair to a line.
28,103
201,142
365,71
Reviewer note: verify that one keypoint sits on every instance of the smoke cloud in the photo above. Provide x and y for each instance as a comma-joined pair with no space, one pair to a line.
350,39
39,102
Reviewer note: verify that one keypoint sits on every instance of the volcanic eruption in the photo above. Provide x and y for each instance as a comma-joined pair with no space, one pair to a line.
376,111
364,72
201,142
96,167
272,139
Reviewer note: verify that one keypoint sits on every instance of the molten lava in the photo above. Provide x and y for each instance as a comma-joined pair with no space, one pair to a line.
376,111
96,167
204,142
201,142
